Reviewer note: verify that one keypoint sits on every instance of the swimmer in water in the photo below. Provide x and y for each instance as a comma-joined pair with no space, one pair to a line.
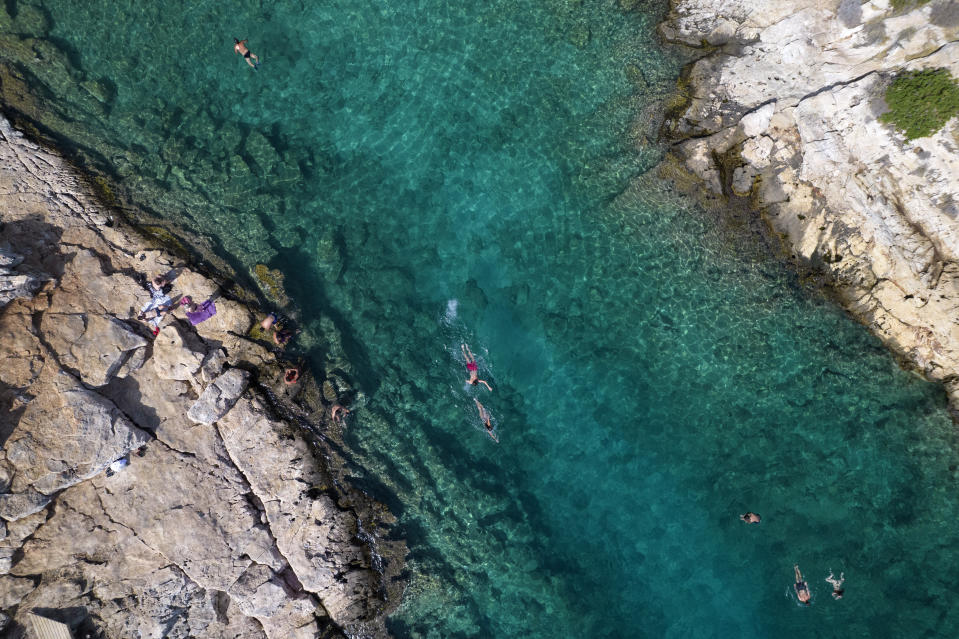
750,517
473,368
249,56
487,420
337,413
836,584
802,589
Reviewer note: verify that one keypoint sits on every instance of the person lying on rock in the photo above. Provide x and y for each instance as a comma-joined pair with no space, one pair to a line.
159,286
158,296
154,322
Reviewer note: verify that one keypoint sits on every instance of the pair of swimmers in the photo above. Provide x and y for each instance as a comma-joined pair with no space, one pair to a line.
474,379
802,588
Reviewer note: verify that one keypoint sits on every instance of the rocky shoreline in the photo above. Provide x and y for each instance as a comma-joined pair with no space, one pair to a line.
779,114
233,516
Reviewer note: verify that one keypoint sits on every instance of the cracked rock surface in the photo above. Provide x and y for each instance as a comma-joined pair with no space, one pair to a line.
784,111
225,522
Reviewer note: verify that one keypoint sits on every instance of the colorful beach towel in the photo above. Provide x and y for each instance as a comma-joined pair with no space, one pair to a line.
203,312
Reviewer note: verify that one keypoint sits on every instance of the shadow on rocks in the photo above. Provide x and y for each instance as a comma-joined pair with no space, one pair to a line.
9,416
37,242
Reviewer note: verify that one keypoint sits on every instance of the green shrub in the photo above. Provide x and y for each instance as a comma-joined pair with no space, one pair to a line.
899,5
921,102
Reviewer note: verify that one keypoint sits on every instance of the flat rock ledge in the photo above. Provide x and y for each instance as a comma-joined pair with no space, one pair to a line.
781,114
220,519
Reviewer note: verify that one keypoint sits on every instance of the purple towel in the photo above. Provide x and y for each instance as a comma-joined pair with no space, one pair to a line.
203,312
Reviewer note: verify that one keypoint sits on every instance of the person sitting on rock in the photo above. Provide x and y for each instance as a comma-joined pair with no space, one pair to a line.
269,321
337,413
282,336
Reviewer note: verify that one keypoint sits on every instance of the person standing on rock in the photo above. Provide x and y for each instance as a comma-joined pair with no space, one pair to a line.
249,56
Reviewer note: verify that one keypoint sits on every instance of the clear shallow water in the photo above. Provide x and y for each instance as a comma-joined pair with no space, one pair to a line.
650,383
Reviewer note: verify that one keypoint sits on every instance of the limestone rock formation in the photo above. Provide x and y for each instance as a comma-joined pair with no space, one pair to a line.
785,112
214,527
271,458
96,346
65,434
219,397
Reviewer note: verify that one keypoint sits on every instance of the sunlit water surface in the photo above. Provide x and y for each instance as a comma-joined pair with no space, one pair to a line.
429,173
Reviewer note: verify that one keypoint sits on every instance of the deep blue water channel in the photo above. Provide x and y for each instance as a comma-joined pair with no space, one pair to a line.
429,173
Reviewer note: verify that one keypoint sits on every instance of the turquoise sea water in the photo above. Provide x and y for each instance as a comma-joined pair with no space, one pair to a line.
425,174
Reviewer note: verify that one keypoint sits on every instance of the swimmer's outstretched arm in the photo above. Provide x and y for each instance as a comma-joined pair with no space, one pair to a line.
798,574
485,383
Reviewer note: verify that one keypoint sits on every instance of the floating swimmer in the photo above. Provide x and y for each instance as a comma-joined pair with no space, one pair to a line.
837,589
250,57
473,368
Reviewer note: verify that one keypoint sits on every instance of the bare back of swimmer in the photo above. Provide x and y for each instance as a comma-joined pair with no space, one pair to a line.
487,420
472,368
802,589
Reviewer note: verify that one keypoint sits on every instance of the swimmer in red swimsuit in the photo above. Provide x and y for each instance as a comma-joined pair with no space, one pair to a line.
473,368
